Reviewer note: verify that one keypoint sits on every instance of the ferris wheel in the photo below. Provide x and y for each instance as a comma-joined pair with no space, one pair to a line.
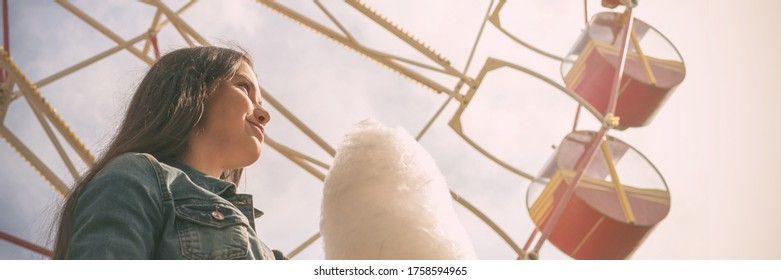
596,197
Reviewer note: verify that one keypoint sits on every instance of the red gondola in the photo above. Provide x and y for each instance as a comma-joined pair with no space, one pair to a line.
651,72
604,219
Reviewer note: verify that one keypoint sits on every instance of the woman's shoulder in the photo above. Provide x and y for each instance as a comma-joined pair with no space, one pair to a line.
131,165
119,211
131,161
126,177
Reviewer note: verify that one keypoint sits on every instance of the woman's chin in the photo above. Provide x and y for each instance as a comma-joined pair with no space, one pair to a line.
248,157
254,156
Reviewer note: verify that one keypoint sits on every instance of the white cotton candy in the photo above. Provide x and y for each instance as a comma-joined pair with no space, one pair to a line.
385,198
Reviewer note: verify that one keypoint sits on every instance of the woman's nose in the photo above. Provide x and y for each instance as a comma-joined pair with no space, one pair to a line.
262,115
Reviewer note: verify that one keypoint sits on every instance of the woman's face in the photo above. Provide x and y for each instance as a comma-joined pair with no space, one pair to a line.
232,130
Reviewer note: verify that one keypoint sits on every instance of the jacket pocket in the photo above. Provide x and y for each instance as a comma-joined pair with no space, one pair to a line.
212,231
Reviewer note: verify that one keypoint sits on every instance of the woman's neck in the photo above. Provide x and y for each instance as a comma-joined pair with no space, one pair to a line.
201,162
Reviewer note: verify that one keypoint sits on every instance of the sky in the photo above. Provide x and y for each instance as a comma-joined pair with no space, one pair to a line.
714,140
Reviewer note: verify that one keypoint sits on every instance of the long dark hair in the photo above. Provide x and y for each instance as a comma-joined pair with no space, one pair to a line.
165,109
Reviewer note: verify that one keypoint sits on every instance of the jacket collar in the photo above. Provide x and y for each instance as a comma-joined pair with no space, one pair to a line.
208,182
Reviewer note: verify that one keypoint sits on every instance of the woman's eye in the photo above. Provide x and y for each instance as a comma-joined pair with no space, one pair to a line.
245,86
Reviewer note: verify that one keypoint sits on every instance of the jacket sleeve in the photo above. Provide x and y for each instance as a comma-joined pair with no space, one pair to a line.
119,212
278,255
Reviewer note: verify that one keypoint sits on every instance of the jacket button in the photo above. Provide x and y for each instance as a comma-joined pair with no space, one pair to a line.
216,213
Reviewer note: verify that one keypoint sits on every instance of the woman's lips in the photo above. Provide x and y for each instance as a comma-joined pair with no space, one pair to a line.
260,127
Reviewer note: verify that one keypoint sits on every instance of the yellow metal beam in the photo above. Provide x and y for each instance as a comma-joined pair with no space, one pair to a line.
496,21
487,221
95,24
54,140
153,29
298,123
304,245
492,64
349,43
180,24
643,59
33,161
38,102
400,33
335,21
56,76
45,81
630,216
544,202
295,158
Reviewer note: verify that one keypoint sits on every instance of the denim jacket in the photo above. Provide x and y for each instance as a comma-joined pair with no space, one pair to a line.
139,208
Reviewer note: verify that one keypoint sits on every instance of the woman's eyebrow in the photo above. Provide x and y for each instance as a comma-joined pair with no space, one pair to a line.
249,81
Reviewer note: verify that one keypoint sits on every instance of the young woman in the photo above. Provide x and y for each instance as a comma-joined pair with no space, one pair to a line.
165,188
